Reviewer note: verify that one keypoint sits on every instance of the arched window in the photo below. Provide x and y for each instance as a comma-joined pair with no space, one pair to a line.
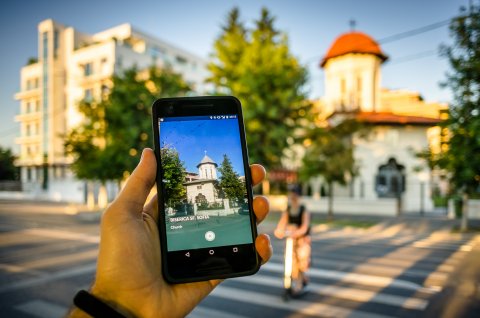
200,198
390,180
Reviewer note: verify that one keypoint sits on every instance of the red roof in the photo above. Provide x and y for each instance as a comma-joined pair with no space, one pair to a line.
393,119
353,42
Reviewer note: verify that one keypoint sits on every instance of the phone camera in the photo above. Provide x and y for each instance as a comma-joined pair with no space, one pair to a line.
170,108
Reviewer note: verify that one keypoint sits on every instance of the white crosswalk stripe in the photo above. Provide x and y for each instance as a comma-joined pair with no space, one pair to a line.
341,284
42,309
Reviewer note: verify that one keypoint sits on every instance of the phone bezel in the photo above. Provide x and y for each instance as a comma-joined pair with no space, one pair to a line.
241,264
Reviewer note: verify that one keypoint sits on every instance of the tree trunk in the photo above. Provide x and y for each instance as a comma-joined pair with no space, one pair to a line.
90,195
330,201
464,224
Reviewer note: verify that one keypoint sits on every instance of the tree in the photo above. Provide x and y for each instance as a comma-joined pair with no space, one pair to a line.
107,145
257,67
230,183
174,171
462,158
8,171
330,155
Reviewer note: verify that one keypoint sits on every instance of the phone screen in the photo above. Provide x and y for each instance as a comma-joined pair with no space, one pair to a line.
203,177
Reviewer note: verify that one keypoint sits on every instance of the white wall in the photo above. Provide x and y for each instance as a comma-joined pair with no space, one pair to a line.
401,143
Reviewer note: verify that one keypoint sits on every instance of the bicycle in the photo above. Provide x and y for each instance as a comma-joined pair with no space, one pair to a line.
294,278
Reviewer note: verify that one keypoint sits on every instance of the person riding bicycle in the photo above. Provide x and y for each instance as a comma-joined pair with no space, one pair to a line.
296,220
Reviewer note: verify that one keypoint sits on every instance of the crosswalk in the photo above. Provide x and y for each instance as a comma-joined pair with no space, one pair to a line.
353,274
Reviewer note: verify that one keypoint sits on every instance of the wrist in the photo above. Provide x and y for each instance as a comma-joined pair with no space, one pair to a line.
112,301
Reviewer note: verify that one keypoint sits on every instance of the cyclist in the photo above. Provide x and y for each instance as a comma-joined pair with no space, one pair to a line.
296,220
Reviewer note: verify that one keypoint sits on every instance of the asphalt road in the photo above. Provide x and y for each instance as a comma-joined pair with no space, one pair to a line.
390,270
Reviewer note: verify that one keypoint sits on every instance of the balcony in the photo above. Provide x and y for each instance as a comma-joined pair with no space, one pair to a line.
29,160
28,116
33,92
28,139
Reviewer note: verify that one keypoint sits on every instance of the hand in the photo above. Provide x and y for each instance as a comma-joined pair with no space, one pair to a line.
279,234
129,263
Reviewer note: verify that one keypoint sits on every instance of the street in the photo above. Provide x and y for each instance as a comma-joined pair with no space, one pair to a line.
392,269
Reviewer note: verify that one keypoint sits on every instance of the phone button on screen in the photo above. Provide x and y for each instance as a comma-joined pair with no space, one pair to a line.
211,252
210,236
187,254
235,249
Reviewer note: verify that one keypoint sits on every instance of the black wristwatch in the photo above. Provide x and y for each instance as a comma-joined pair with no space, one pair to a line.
94,306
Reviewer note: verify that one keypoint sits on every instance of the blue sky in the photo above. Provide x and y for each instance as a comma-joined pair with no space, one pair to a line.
191,138
312,26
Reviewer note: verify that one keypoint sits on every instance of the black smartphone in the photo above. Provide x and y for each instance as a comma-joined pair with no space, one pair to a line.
206,221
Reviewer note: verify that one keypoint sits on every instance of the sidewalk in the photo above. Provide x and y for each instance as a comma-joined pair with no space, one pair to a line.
461,295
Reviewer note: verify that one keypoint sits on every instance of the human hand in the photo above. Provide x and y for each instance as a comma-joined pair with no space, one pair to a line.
128,276
280,234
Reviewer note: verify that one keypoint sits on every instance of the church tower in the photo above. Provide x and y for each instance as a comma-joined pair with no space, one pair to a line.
352,74
207,168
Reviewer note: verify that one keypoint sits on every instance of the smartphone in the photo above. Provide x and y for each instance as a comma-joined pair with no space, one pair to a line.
206,222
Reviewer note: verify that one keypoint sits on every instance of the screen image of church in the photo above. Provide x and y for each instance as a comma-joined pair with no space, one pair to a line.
204,192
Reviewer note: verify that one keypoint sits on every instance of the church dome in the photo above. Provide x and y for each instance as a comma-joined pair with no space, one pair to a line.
206,159
353,42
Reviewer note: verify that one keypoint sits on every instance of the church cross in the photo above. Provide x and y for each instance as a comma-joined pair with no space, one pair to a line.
352,24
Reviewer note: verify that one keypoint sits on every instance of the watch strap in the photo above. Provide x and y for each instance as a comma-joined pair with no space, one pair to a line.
94,306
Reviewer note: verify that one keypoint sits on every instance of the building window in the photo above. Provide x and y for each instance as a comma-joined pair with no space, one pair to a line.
55,43
156,52
359,92
390,180
181,60
45,45
28,131
343,92
199,187
88,69
105,91
88,95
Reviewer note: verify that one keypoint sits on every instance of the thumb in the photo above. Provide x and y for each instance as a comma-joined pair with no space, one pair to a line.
138,186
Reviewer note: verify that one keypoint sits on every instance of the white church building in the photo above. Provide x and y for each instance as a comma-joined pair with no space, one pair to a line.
204,192
400,123
203,187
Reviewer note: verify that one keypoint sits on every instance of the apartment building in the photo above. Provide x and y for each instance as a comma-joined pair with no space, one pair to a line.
71,66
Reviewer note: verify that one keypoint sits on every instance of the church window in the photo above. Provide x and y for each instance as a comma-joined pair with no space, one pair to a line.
343,92
390,180
359,92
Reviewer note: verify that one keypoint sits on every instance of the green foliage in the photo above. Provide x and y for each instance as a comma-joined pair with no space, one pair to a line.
116,129
462,158
330,154
257,67
230,183
8,171
174,171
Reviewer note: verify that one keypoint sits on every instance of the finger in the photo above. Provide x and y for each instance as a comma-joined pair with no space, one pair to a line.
152,208
261,206
138,186
258,173
264,247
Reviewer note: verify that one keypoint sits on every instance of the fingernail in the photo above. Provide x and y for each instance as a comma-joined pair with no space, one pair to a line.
141,157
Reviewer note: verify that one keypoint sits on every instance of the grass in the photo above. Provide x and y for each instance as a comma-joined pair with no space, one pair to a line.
360,224
470,229
336,223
